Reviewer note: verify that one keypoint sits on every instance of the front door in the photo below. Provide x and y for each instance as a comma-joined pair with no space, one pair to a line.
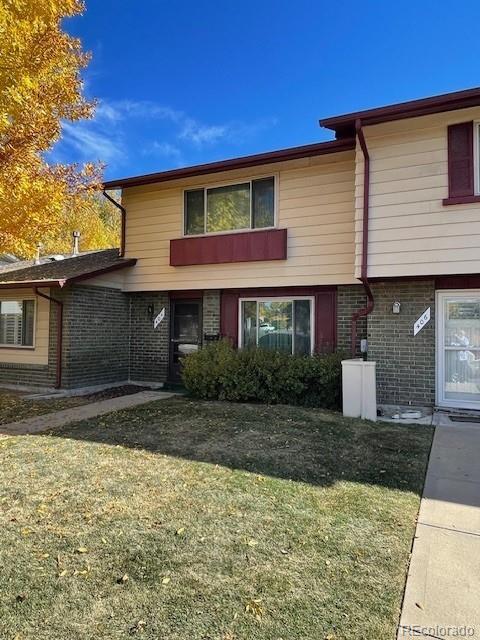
185,332
458,349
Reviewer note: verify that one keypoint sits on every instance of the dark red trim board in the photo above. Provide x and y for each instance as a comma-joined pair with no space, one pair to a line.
458,282
193,294
248,246
344,125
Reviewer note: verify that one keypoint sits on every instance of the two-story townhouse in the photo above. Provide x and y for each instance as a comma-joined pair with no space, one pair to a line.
306,250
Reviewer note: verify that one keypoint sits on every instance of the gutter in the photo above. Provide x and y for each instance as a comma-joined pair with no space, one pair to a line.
123,212
59,303
364,266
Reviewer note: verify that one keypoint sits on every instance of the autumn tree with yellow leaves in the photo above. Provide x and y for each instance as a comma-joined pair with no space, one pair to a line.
41,85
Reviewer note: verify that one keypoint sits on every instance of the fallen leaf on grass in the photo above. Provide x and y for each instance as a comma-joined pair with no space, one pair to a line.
179,532
62,573
255,608
81,550
123,579
165,580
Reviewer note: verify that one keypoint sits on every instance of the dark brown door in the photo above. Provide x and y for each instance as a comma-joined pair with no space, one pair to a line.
185,333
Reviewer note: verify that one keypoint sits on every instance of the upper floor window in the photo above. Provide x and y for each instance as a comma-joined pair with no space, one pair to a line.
17,323
233,207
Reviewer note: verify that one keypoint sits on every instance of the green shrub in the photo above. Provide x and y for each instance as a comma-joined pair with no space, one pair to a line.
220,372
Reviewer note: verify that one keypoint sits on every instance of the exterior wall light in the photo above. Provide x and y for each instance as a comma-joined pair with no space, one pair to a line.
396,307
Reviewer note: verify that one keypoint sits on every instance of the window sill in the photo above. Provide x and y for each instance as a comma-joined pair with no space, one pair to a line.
18,347
460,200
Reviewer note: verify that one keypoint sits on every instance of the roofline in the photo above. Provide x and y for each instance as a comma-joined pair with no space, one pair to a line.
292,153
344,125
63,282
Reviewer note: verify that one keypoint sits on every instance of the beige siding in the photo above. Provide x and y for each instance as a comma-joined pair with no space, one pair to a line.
411,231
23,355
112,280
315,204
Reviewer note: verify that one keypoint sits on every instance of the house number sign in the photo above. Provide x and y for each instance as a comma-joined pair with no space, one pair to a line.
159,318
422,321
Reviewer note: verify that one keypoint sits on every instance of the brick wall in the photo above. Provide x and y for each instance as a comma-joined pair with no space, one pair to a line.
350,299
95,336
211,312
405,364
149,347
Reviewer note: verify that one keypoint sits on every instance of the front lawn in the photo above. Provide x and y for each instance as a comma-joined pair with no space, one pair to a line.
15,405
207,521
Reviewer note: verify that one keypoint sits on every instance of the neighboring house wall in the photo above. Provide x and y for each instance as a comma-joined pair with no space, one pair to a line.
405,363
42,372
315,202
411,231
38,355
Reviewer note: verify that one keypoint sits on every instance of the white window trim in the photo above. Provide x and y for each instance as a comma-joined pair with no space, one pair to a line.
279,299
23,346
216,185
440,299
476,156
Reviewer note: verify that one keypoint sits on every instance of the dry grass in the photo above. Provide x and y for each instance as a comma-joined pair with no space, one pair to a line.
15,406
208,521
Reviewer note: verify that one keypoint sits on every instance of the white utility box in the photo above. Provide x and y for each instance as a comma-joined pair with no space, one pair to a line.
359,389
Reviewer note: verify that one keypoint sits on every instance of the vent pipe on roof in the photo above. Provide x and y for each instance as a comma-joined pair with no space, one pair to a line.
76,243
37,255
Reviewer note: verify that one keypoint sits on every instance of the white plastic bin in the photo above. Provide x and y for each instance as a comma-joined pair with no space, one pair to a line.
359,389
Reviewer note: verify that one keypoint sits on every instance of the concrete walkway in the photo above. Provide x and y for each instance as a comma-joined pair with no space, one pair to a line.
82,412
442,595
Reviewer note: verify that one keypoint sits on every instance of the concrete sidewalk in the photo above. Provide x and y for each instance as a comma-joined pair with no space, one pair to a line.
442,597
82,412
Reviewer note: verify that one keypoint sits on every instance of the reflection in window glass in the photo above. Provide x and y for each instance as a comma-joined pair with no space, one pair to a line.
228,208
17,322
249,322
275,326
194,212
263,203
462,325
279,325
302,327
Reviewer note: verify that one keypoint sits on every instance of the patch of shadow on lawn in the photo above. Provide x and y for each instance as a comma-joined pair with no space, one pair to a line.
294,443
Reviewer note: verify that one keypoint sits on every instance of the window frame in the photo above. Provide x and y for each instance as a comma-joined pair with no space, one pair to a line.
279,299
22,300
476,157
229,183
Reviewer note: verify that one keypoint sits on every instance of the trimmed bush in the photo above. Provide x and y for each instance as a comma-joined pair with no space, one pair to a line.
220,372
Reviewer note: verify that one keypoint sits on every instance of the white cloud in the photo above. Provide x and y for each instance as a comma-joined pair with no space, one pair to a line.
108,137
91,143
201,134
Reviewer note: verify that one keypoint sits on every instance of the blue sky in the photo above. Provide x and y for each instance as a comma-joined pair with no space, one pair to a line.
180,83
